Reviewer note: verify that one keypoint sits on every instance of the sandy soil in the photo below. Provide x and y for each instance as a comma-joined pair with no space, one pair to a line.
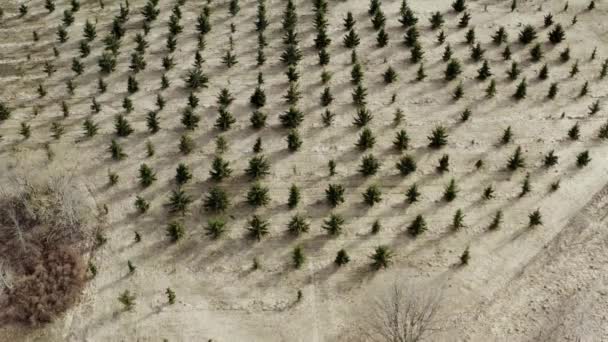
521,284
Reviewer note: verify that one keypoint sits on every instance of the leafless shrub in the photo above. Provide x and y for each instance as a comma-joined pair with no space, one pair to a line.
404,313
46,228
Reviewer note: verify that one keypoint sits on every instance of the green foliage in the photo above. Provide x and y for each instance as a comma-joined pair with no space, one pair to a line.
127,300
417,227
258,167
141,204
258,195
436,20
535,218
381,258
557,35
257,227
527,34
175,231
215,228
216,200
517,160
372,195
451,191
551,159
292,118
147,176
438,137
294,197
334,194
582,159
116,151
369,165
453,69
522,88
342,258
298,225
298,257
333,225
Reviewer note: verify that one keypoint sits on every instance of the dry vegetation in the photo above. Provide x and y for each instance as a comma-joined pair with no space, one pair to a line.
46,232
264,166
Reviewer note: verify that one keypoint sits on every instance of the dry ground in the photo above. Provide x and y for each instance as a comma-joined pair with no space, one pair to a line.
521,284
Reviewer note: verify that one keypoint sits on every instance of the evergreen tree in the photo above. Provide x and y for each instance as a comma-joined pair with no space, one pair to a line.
406,165
127,300
564,56
551,159
447,53
552,91
496,221
582,159
182,174
369,165
459,5
458,92
349,21
333,225
326,97
189,119
484,72
216,200
407,16
257,228
258,167
175,231
444,164
411,36
147,176
294,197
436,20
535,218
594,108
557,35
258,195
491,89
416,53
382,38
122,126
378,20
298,225
536,53
417,227
450,192
543,74
506,54
90,128
186,144
464,20
521,90
438,137
507,136
179,201
517,160
390,75
574,132
372,195
469,37
526,187
351,40
258,119
215,228
527,34
412,194
342,258
500,36
292,118
458,220
225,120
294,142
334,194
298,257
453,69
381,258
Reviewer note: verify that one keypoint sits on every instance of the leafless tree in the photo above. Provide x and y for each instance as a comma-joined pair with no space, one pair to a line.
404,313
